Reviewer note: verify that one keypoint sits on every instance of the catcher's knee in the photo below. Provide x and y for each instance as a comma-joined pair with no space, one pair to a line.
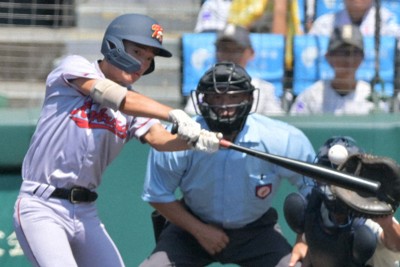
158,259
364,244
294,211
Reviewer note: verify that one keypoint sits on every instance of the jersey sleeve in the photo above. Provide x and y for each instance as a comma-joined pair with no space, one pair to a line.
163,175
72,67
141,125
79,67
299,147
289,141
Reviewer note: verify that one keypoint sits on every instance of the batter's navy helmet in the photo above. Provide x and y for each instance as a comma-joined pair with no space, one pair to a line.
137,28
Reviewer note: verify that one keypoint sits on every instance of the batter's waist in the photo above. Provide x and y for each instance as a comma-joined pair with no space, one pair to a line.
75,194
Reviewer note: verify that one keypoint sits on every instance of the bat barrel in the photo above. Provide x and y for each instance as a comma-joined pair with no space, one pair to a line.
313,171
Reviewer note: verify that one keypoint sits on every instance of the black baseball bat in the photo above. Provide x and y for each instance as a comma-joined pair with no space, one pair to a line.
317,172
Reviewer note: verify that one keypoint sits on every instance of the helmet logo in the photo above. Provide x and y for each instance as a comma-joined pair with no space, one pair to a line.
157,32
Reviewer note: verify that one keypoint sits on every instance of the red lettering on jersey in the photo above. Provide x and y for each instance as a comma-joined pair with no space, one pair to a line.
84,117
157,32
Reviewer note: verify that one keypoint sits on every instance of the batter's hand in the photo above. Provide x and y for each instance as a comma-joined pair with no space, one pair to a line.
207,142
188,129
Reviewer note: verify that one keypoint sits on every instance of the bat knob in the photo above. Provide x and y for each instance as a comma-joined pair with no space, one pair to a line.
174,129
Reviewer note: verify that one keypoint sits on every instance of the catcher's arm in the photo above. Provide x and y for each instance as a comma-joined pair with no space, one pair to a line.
391,232
299,251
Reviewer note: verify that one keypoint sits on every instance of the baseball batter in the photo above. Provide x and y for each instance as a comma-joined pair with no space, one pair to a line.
87,116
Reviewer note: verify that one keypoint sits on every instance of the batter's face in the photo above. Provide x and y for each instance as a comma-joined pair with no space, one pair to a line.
144,54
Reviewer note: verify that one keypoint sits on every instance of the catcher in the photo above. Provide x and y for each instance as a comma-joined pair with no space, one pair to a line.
344,228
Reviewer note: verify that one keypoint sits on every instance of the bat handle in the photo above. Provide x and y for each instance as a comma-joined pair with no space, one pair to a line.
174,129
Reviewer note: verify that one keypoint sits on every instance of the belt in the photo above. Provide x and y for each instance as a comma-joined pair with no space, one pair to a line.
75,195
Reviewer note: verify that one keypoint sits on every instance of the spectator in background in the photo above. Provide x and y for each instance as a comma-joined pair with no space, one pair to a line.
260,15
233,44
213,15
360,13
343,94
255,15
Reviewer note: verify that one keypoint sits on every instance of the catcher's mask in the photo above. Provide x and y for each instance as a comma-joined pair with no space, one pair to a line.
345,141
338,215
224,97
331,203
136,28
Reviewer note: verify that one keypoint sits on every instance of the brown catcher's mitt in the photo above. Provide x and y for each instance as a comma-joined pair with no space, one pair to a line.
382,169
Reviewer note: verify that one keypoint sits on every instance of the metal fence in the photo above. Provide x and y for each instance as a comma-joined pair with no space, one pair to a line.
36,34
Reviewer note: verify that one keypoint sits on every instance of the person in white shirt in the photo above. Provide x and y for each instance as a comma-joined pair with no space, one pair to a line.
344,94
234,45
387,231
360,13
213,15
90,112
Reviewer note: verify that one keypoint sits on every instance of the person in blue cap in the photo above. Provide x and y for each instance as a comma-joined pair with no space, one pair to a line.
89,113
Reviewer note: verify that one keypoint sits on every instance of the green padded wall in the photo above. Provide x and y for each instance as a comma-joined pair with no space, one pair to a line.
124,214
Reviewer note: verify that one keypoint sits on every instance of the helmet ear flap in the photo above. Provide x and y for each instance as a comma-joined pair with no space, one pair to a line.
151,68
113,50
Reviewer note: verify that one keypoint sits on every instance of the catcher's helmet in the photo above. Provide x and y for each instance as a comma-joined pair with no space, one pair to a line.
345,141
330,202
136,28
224,78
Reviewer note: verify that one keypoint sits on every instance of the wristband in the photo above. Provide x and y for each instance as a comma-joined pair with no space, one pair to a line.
108,93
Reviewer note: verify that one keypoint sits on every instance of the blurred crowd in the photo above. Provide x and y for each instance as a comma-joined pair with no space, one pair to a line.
345,23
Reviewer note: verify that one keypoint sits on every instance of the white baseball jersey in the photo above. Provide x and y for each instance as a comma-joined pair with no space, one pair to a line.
321,98
75,138
268,102
382,256
325,24
213,15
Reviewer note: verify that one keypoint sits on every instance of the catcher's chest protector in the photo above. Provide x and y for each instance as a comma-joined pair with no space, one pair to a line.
335,247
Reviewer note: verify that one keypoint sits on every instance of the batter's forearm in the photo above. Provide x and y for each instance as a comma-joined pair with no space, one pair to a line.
136,104
162,140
